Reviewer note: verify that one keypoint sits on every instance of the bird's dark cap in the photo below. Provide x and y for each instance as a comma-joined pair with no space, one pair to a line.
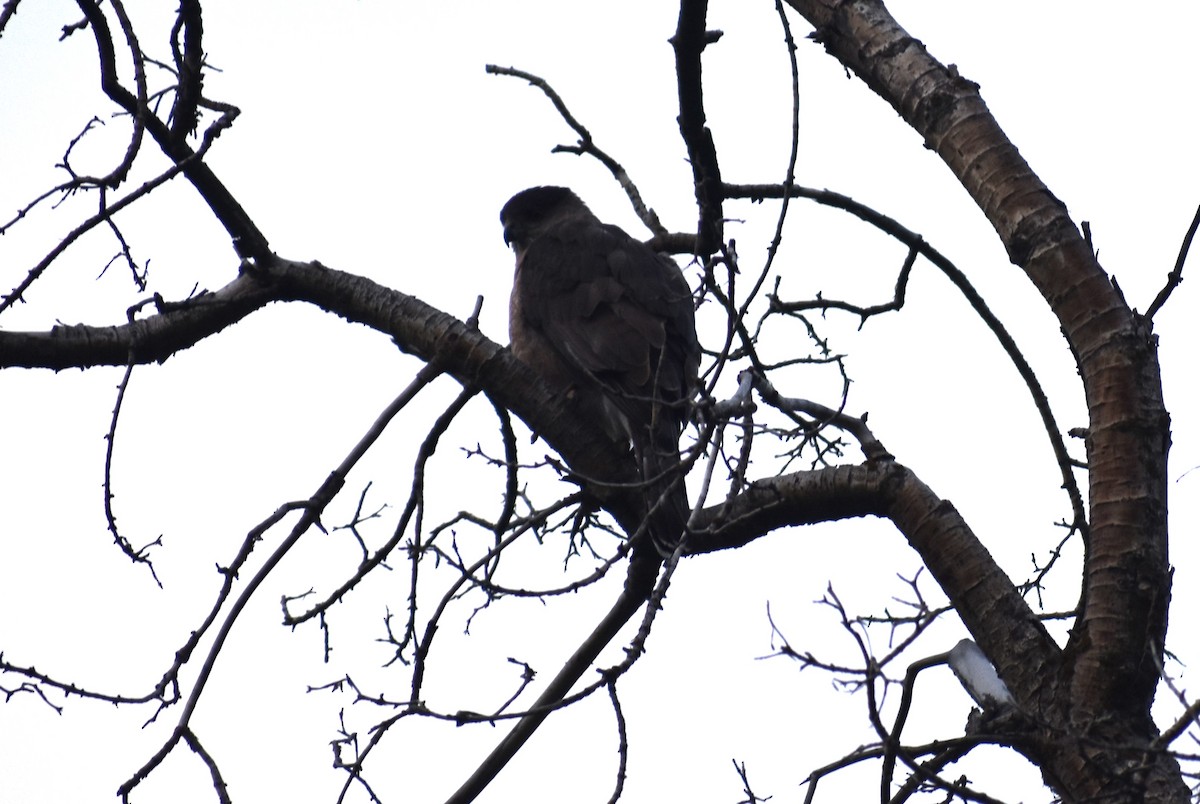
534,205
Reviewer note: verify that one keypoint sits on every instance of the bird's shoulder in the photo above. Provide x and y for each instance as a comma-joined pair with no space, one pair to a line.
572,254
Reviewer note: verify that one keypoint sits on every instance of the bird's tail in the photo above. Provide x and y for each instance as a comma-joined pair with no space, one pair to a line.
667,508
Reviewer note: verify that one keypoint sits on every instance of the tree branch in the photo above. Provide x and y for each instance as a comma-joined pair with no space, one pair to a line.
689,41
1117,643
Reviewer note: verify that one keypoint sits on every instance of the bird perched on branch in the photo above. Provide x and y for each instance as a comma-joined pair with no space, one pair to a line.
600,315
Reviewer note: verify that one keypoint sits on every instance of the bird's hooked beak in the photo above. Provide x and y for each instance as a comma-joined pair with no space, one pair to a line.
515,237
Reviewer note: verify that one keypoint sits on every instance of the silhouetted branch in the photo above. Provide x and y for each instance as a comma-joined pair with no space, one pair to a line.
916,243
639,588
138,556
690,39
219,785
1176,276
189,63
588,146
821,303
622,742
247,239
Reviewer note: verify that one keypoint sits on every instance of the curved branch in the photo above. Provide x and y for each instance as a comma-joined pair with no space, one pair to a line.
247,238
986,600
135,105
588,146
918,245
991,608
416,327
473,359
1117,644
107,211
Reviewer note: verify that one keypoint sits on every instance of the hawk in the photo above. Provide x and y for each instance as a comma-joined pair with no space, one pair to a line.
604,317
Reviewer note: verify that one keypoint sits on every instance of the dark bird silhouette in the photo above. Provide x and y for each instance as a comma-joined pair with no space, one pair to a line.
602,316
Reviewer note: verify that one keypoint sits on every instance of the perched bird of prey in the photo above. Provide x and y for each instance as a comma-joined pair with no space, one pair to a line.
600,315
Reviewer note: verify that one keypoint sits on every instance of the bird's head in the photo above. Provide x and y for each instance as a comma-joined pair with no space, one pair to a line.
528,212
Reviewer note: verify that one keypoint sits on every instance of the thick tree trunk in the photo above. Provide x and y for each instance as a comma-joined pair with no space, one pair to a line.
1095,729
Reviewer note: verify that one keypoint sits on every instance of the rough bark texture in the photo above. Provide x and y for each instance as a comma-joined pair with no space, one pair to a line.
1084,709
1096,728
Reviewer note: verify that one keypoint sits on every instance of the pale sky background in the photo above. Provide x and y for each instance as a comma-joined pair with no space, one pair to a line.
372,140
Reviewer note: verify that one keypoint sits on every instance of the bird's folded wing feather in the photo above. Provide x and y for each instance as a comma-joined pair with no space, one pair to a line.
607,301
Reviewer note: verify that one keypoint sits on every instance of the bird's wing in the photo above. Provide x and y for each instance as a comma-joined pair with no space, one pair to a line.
613,308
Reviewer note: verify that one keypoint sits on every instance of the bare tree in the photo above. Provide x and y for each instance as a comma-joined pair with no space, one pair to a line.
1075,704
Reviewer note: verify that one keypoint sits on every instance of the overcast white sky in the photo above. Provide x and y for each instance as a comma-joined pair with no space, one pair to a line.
372,140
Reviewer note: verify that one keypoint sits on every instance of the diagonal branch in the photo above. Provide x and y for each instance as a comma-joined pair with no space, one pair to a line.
247,238
587,145
918,245
1117,644
1175,278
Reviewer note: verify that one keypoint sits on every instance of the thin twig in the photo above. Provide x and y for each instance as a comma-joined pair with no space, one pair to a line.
1176,276
587,145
